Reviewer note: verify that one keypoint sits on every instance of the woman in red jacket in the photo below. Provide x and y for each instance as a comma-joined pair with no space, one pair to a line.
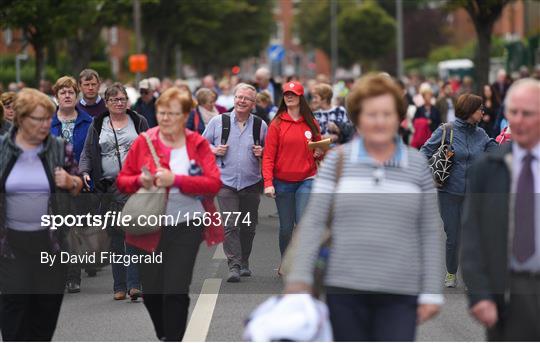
289,166
188,172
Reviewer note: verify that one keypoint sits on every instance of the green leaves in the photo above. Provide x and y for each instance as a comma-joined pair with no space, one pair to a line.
366,31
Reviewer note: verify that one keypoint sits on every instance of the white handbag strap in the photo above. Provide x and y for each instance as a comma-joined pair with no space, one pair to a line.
152,150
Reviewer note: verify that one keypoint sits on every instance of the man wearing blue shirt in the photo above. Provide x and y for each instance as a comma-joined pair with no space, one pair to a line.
239,157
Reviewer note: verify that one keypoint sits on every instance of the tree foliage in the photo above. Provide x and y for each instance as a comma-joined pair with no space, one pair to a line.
40,22
211,34
484,14
366,31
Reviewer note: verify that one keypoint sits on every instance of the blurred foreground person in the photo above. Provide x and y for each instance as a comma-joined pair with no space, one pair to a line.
501,226
190,175
38,172
384,222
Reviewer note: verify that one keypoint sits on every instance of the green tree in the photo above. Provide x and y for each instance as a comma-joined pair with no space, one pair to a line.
484,14
89,17
40,21
366,31
367,34
211,34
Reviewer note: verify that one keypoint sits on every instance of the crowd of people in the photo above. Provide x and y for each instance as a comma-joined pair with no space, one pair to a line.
350,159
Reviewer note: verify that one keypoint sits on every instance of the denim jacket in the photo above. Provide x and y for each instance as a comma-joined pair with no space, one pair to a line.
469,142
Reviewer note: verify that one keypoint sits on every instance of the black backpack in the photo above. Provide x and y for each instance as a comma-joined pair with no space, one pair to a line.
226,129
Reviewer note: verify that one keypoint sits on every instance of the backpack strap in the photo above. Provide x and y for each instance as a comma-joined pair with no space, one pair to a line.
225,127
257,123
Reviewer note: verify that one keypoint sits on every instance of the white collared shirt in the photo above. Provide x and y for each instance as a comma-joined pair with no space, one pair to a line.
518,153
83,102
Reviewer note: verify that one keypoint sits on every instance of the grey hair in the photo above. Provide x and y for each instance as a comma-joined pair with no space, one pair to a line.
244,86
115,89
522,83
263,72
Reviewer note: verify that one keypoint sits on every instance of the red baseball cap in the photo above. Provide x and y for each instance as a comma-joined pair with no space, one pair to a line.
293,86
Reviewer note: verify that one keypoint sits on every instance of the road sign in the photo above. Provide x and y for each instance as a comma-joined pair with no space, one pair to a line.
276,53
138,63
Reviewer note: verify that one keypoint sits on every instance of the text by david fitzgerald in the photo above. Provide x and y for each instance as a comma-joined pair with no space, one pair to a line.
105,257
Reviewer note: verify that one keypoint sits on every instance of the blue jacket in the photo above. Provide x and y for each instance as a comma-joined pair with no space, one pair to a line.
82,123
469,142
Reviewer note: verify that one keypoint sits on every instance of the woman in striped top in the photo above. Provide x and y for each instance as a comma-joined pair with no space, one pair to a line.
385,261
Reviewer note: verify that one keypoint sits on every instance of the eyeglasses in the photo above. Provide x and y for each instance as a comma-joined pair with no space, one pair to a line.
170,114
143,91
40,120
120,101
243,98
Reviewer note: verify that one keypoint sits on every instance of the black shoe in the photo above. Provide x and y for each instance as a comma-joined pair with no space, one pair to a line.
234,275
91,272
73,287
134,294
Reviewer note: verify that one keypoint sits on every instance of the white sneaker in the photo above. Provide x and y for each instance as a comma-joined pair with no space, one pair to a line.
450,281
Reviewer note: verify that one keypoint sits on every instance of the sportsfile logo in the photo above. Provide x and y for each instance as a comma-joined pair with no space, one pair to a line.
116,219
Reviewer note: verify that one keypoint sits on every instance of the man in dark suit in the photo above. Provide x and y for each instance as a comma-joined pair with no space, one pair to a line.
501,228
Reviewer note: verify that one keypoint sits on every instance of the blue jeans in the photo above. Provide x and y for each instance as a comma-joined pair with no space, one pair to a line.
291,201
450,206
121,273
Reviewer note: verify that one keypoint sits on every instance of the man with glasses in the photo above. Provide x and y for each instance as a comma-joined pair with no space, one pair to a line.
237,140
90,102
146,104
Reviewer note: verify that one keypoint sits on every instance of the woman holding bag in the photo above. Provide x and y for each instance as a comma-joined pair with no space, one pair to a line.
468,142
382,275
188,172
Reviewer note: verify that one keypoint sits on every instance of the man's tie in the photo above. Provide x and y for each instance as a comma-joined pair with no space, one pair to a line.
524,241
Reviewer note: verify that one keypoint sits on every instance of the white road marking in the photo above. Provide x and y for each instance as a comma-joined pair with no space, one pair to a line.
198,325
219,254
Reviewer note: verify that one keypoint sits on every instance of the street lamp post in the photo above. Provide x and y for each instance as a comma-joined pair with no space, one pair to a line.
334,38
138,35
399,32
18,59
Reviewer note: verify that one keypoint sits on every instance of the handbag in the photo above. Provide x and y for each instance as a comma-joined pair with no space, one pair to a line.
442,160
89,239
145,203
323,255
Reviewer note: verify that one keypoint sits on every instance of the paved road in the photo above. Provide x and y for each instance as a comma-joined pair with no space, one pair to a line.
217,314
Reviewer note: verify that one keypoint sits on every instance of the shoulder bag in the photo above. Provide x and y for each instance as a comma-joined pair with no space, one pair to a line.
145,203
442,160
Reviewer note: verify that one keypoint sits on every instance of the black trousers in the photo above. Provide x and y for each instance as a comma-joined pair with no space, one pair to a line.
362,316
166,285
32,292
520,320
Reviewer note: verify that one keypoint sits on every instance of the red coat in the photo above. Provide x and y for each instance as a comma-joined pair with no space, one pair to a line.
286,153
422,132
207,184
